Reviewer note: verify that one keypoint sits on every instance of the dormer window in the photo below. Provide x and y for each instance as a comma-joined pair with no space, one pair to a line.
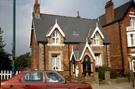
55,37
96,39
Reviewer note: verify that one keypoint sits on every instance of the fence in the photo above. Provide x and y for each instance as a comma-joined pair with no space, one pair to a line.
7,74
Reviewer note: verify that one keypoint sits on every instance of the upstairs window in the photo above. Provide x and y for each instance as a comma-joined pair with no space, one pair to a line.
131,39
132,21
55,38
96,39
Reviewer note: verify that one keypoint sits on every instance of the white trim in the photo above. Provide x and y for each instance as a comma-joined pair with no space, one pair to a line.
128,33
91,67
131,12
72,54
53,28
131,15
87,45
55,44
97,29
132,54
94,45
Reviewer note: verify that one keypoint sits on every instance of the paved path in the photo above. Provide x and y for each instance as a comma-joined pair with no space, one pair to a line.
114,86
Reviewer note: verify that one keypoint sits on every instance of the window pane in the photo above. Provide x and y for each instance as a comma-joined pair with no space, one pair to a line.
57,34
53,77
132,21
57,40
132,40
33,77
53,40
98,61
134,65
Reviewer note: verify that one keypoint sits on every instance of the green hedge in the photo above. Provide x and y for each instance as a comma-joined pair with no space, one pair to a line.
101,70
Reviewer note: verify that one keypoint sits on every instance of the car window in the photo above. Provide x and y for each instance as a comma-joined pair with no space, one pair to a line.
33,77
53,77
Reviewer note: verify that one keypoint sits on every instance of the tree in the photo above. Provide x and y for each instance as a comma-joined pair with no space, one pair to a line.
5,62
23,62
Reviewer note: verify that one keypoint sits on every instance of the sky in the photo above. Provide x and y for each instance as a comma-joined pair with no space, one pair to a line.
90,9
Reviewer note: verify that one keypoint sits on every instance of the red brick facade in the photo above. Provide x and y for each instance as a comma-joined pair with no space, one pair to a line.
117,34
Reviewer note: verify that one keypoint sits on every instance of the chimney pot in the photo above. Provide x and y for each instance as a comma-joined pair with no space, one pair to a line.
78,16
77,13
36,1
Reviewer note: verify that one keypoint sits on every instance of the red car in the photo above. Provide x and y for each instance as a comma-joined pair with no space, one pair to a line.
41,80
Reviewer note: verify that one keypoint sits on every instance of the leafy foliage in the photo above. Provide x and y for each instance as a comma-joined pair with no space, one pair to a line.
5,62
102,69
23,61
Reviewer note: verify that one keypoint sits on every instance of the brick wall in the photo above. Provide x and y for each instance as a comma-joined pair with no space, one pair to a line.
34,52
112,32
125,23
116,32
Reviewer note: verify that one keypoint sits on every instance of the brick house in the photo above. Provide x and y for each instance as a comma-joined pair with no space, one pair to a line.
119,26
72,45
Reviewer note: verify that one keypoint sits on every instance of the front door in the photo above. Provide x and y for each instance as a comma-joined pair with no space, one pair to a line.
86,66
55,81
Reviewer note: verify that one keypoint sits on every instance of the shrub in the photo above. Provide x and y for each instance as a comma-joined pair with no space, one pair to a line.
101,70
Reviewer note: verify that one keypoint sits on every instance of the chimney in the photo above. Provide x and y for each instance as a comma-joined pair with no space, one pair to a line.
36,9
78,15
109,11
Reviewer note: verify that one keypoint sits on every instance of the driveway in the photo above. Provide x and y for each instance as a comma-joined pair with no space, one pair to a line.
114,86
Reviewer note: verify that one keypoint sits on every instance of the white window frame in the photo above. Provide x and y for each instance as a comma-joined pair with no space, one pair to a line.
97,60
55,64
96,39
130,39
133,65
132,21
55,36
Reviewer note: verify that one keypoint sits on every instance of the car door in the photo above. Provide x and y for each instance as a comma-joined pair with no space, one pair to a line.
34,80
55,81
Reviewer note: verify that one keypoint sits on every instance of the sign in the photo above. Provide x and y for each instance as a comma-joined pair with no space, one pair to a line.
130,28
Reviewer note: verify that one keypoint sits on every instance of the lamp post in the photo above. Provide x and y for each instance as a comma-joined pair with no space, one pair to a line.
14,32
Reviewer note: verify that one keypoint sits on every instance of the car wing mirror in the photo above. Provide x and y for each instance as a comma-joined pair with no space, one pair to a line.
65,82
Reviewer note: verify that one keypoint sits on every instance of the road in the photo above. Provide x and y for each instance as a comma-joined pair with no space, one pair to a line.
114,86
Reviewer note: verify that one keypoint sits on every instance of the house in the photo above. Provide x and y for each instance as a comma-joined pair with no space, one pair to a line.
119,26
72,45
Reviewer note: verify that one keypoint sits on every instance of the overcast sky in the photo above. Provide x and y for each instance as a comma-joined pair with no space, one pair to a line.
90,9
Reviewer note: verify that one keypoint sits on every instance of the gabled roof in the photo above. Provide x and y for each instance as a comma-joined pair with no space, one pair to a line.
53,28
119,13
75,29
79,51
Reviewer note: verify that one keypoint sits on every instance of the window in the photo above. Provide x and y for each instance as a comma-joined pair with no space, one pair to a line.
133,65
56,62
98,61
131,39
132,21
53,77
55,38
96,39
33,77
